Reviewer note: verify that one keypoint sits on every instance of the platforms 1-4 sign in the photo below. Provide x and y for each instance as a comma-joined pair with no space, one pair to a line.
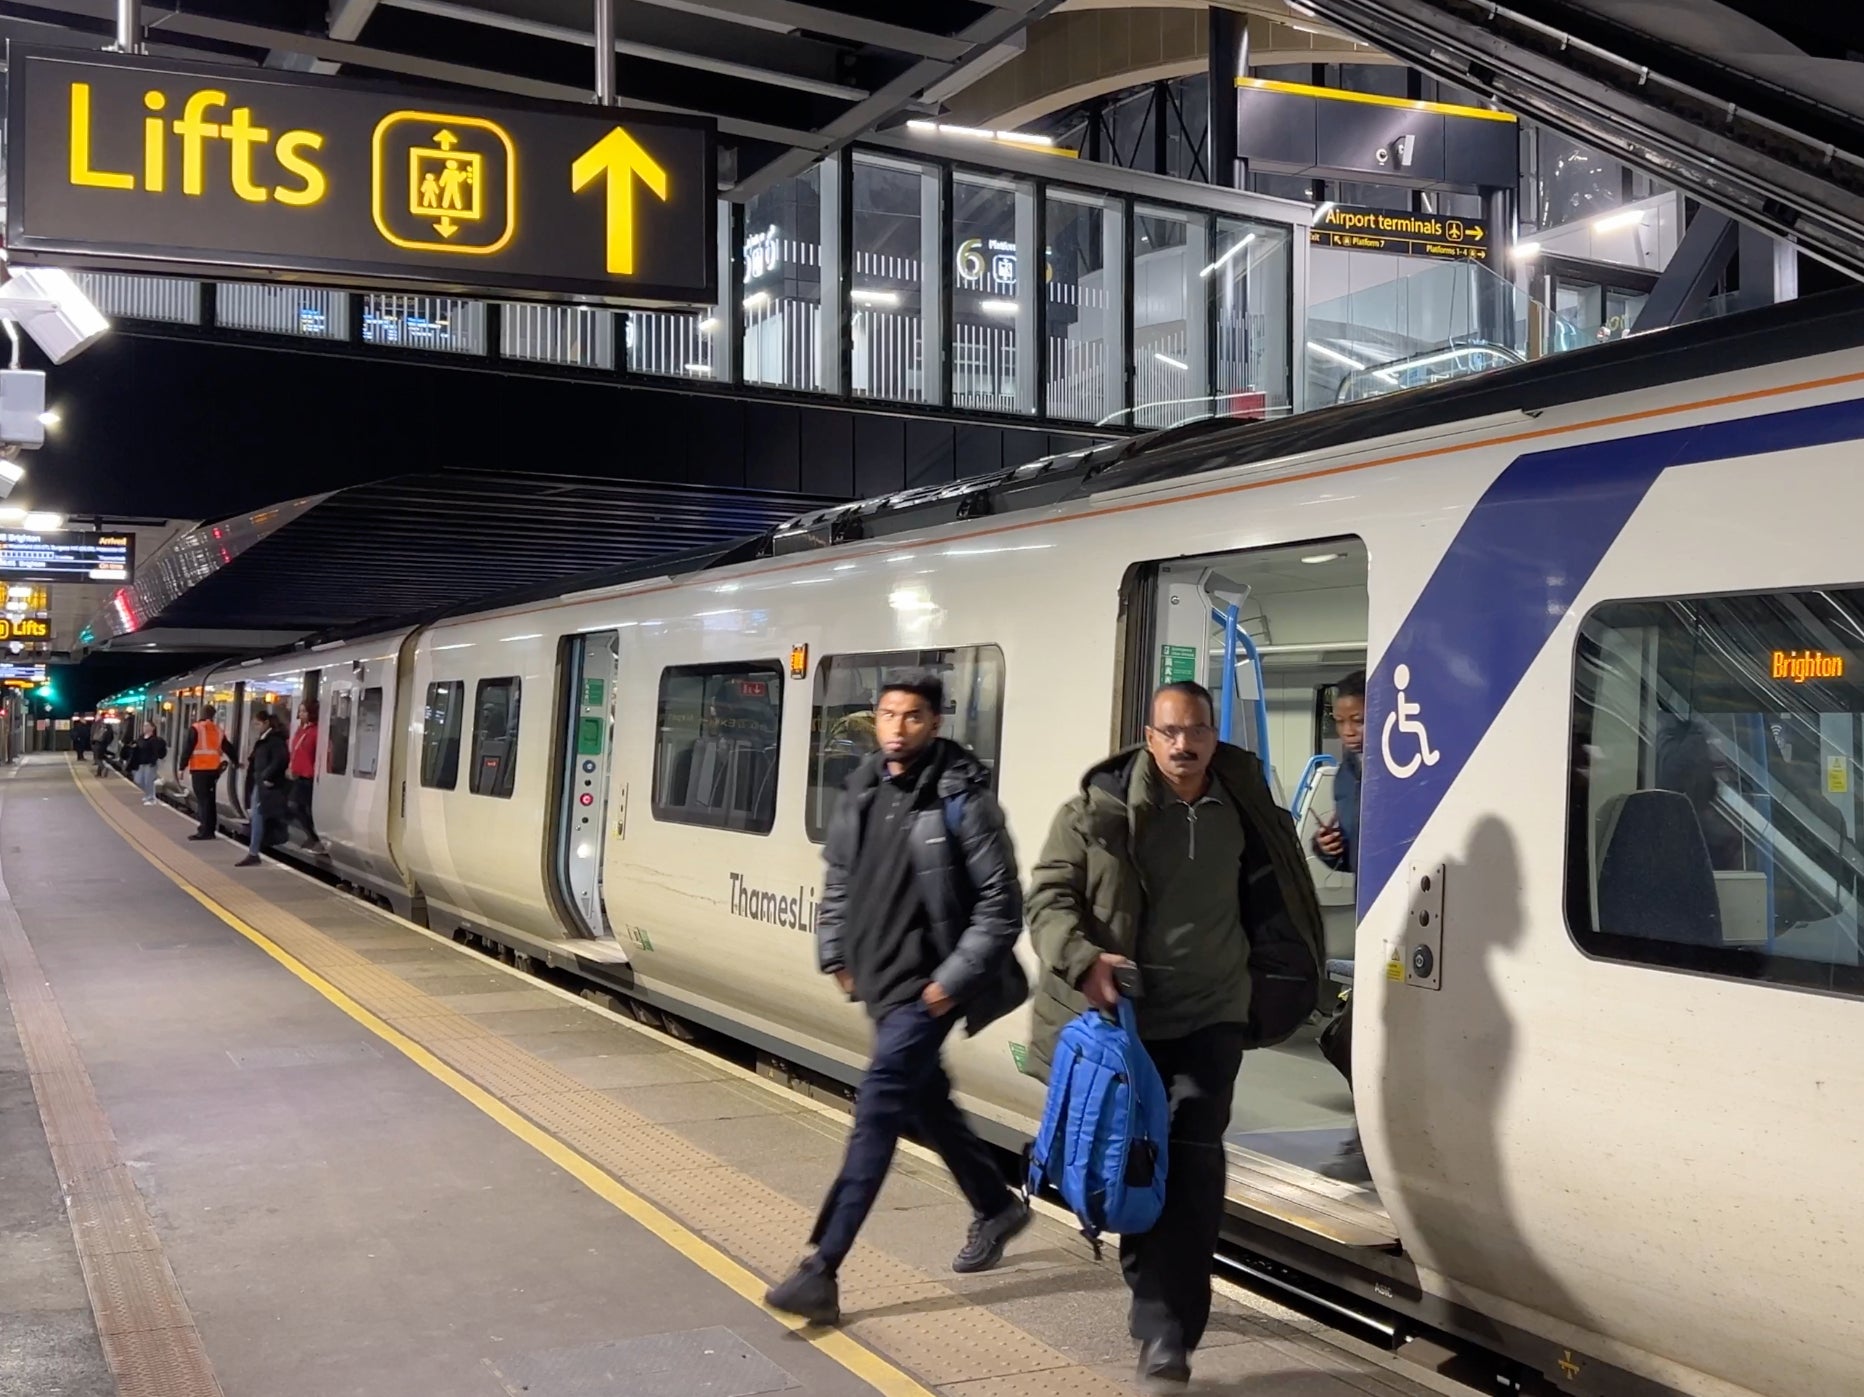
147,164
1407,234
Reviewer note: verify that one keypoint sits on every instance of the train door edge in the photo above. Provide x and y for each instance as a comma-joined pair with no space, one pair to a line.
589,664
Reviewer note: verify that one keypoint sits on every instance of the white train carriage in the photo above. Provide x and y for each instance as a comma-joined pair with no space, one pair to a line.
1608,879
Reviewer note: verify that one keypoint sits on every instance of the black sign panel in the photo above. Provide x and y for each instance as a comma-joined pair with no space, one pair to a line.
66,557
1290,128
1407,234
164,166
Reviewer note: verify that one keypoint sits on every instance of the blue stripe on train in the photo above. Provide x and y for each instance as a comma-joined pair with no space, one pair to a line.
1529,546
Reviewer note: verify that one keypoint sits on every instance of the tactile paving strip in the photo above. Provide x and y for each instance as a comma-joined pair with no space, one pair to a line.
147,1334
916,1322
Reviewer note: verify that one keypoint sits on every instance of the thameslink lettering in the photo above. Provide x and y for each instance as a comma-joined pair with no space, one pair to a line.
795,913
1801,665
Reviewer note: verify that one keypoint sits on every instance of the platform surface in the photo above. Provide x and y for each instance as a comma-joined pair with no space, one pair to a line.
259,1139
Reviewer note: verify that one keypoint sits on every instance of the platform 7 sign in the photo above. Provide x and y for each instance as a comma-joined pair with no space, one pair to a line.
146,164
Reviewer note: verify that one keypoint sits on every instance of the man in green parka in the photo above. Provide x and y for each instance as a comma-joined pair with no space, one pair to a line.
1174,858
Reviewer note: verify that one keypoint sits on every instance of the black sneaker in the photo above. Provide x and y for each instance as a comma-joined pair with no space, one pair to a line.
983,1248
810,1293
1163,1367
250,861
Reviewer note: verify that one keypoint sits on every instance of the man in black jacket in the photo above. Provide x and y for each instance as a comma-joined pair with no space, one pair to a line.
266,780
919,918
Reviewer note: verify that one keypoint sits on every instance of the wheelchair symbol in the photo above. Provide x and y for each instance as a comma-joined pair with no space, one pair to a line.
1403,717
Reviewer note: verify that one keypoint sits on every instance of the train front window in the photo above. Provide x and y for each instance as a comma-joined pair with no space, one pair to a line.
1718,750
841,734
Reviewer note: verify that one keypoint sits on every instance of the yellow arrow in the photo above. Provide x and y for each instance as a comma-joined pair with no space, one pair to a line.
1476,233
446,227
446,140
621,159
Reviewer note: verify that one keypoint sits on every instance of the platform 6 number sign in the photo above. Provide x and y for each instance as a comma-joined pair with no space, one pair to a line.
147,164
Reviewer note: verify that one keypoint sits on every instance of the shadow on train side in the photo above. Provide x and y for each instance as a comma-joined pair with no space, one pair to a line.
1445,1145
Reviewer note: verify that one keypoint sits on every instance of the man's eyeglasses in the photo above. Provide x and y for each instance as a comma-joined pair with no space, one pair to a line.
1197,732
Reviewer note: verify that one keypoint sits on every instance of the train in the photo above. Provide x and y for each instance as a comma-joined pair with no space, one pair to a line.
1602,934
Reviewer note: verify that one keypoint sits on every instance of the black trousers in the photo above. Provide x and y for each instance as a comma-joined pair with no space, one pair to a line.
905,1085
1168,1269
301,788
206,794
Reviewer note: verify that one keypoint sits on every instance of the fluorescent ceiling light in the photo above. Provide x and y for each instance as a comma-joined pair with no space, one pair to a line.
12,472
1522,252
43,519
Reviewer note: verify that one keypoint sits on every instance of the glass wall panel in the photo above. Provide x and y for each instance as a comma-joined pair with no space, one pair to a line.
783,284
889,298
1250,276
1170,366
990,303
444,323
283,309
1083,309
577,336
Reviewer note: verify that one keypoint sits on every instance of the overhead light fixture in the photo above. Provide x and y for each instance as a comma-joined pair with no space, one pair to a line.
1247,239
1323,557
1334,355
978,133
40,521
1523,252
1170,362
12,472
50,418
12,514
1612,222
48,305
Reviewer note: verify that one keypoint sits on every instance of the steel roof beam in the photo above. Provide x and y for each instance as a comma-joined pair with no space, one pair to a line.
652,53
346,20
786,16
175,22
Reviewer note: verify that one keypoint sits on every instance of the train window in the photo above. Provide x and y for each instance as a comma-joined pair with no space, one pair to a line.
715,750
368,733
440,735
842,726
495,738
1718,786
336,753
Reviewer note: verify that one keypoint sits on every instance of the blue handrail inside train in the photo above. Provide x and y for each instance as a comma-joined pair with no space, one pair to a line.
1234,638
1305,786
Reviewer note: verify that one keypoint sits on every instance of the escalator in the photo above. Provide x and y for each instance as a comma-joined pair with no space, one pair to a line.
1755,109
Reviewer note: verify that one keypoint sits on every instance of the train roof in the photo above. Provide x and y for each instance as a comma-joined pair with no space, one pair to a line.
1820,324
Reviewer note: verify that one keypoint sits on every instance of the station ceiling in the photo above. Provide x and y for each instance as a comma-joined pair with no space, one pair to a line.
787,81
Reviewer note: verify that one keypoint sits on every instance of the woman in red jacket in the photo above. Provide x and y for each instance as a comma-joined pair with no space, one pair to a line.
304,769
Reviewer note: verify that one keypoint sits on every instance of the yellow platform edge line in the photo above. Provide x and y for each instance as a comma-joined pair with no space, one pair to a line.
858,1359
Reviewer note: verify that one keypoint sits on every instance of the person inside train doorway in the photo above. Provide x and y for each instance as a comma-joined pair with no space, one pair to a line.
267,778
205,753
923,943
1337,843
304,771
1171,859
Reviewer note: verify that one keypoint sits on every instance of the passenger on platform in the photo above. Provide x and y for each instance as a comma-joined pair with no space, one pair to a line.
103,737
1337,843
80,738
268,778
206,752
1167,857
304,770
919,918
145,758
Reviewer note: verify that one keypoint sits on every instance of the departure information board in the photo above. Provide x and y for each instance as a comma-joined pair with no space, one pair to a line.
160,165
66,557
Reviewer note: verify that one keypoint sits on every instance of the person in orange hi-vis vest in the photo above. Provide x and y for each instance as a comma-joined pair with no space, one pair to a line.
205,753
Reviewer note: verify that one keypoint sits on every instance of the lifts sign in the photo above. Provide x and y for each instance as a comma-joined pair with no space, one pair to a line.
147,164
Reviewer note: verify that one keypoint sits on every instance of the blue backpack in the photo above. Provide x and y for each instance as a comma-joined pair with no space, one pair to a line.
1104,1127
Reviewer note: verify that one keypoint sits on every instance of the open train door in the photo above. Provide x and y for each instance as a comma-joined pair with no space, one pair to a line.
588,664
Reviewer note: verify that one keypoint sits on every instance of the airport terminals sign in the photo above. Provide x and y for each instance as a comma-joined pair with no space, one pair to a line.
66,557
156,165
1407,234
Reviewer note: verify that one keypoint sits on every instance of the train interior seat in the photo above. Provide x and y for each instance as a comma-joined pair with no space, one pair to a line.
1655,878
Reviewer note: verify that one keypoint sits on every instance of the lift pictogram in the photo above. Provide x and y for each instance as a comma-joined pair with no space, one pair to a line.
459,183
